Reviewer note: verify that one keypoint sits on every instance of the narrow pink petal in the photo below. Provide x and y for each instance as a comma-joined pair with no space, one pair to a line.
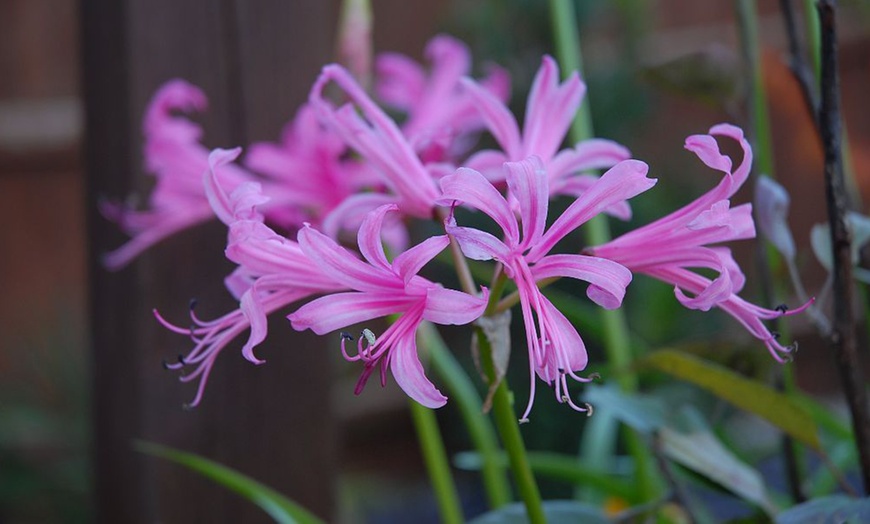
399,81
578,184
469,187
353,210
478,245
490,163
216,195
448,306
499,120
718,290
175,95
595,153
261,251
608,279
378,139
170,224
566,350
409,263
369,237
339,310
735,133
339,264
550,110
527,182
408,372
253,311
621,182
707,149
771,204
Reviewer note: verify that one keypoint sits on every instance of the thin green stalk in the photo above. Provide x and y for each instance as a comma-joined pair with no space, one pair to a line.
760,133
509,430
435,456
506,420
437,464
762,150
597,231
814,38
464,395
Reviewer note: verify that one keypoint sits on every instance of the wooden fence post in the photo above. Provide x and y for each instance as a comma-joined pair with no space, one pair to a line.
256,61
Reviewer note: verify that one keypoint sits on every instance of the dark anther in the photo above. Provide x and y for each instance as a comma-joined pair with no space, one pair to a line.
782,308
346,336
181,359
775,335
595,376
192,304
165,364
561,371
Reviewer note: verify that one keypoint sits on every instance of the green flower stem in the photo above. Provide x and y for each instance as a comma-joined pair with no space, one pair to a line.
434,454
437,464
463,393
509,430
506,420
762,149
814,38
597,231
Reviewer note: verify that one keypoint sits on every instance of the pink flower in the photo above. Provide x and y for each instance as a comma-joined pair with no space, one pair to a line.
273,272
177,159
672,246
440,111
382,288
556,350
379,141
549,112
309,169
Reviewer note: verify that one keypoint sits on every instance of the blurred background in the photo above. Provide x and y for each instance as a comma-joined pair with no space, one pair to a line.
80,374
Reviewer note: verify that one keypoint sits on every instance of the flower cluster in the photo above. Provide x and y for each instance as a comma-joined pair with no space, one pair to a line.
350,169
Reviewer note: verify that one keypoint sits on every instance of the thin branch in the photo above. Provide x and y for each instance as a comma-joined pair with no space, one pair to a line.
797,62
843,336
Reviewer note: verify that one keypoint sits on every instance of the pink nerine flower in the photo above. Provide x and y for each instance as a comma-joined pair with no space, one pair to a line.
384,288
550,110
672,246
378,140
440,111
177,159
273,272
556,350
311,170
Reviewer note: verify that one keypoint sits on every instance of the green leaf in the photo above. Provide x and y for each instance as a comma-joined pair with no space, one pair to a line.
701,451
749,395
642,413
837,508
278,506
555,511
560,467
683,436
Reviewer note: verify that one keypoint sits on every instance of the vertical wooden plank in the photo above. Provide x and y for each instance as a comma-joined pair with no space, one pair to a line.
108,152
255,61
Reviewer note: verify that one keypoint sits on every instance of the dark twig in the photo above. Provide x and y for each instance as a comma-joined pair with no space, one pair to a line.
843,336
797,62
